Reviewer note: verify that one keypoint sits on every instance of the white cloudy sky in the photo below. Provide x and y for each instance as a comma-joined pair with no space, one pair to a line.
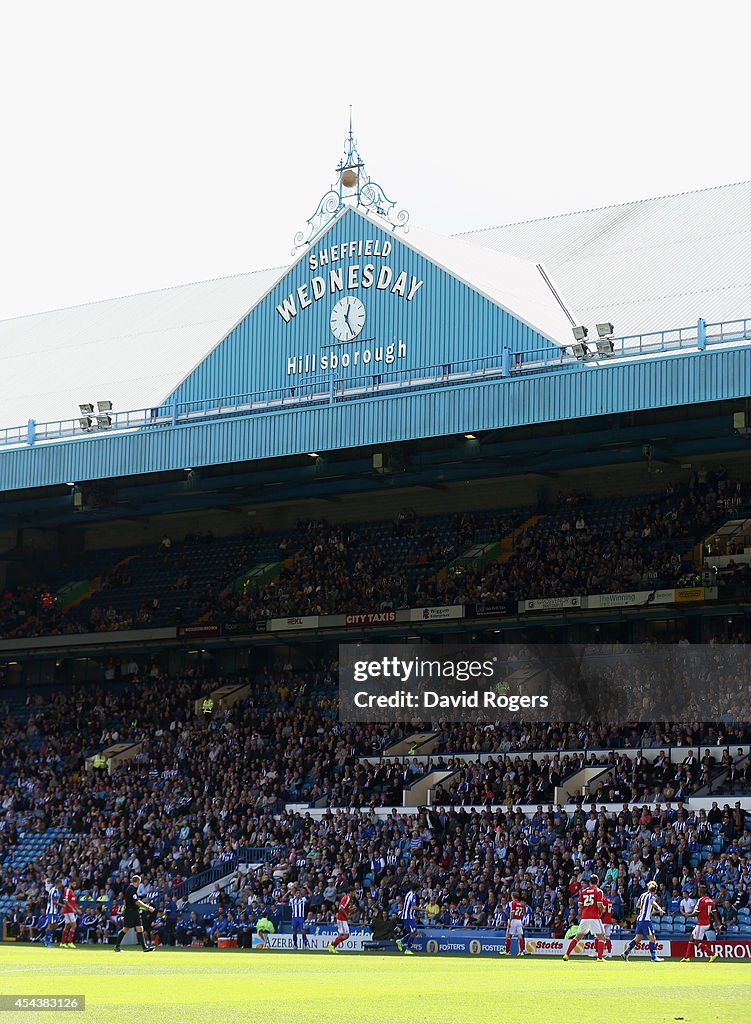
153,143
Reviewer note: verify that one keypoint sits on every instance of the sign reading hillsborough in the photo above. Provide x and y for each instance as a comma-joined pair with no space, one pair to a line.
348,271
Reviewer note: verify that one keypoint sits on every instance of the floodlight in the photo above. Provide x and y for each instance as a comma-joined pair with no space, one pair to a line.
605,330
471,437
85,422
104,421
86,408
104,406
605,347
313,455
581,351
579,333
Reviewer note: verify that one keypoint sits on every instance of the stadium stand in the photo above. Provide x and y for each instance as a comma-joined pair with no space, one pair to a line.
583,546
150,557
207,802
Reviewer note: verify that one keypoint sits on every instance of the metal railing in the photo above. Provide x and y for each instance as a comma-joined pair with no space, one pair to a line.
327,389
243,855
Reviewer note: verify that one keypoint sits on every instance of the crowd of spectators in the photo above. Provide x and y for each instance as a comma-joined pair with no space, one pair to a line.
562,555
330,568
200,791
462,865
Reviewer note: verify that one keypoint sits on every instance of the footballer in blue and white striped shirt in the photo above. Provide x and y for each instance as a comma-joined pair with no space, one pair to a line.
51,916
647,905
409,923
297,902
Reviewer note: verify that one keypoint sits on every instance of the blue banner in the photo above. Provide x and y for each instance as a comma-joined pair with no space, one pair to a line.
478,943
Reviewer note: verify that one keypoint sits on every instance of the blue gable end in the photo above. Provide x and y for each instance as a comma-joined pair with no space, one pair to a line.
407,311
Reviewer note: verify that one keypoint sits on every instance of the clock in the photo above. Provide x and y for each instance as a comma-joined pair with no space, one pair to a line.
347,318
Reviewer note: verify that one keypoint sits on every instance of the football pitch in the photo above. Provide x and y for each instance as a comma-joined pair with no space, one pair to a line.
187,987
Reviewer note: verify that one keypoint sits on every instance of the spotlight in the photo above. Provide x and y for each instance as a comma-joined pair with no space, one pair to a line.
104,406
581,351
579,333
86,422
605,330
86,408
103,421
605,347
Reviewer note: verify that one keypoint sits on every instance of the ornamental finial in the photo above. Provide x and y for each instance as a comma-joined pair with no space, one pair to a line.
353,187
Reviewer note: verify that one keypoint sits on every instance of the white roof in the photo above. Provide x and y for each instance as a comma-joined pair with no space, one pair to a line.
518,285
131,351
644,266
649,265
134,351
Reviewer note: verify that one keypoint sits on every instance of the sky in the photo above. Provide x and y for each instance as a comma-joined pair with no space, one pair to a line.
151,144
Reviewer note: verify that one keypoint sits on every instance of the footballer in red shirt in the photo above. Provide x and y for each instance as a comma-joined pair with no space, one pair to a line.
705,910
515,914
591,905
70,911
342,922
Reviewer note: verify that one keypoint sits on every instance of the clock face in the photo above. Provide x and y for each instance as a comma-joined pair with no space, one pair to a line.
347,318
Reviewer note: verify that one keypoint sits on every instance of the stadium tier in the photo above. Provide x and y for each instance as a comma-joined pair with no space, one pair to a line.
205,811
421,448
580,547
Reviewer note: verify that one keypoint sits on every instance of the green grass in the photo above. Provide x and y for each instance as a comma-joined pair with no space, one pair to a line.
202,987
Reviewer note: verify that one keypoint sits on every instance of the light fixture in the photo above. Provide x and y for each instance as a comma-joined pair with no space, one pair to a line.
605,347
579,333
103,420
314,455
471,437
605,330
581,351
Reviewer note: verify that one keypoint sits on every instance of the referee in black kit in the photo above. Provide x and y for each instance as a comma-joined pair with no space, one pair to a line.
132,916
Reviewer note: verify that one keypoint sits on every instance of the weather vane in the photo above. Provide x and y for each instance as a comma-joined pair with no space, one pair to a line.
353,187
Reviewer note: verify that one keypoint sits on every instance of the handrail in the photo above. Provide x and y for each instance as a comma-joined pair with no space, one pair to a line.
220,868
328,389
